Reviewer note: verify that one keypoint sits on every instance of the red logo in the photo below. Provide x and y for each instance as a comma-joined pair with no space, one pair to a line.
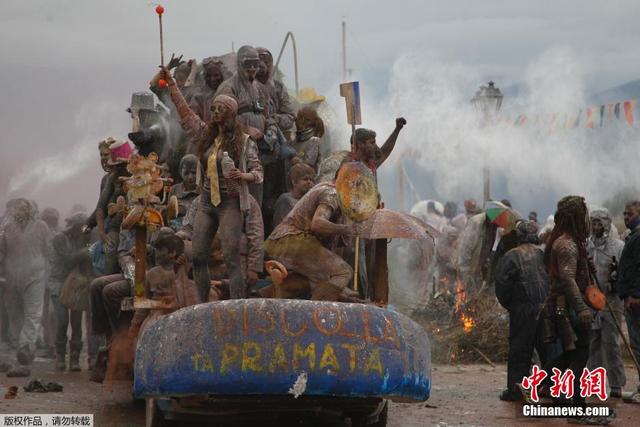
537,376
562,384
593,383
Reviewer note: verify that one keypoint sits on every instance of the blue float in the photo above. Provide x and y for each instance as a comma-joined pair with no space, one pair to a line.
280,347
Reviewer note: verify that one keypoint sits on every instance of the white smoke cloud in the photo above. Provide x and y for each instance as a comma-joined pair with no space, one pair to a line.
533,165
94,121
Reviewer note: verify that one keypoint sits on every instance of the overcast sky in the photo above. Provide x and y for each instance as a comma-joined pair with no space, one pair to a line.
68,67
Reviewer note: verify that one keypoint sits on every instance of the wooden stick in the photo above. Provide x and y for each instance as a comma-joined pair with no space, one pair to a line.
357,261
141,258
484,356
353,150
624,338
616,322
161,42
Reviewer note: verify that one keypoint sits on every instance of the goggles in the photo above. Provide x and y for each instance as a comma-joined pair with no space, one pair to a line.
250,63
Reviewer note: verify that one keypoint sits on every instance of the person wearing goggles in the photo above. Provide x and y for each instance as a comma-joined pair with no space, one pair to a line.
244,87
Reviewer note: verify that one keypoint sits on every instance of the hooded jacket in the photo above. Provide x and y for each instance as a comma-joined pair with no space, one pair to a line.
602,250
521,280
249,94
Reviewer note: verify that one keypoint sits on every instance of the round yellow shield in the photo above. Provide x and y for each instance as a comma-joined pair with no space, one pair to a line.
357,191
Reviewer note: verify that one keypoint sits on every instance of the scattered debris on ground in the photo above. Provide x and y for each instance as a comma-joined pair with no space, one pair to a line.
38,386
18,371
12,393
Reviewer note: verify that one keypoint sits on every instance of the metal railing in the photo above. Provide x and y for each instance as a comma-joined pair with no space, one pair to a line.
295,57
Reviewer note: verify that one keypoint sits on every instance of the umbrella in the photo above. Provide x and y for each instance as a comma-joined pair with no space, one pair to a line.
388,224
501,215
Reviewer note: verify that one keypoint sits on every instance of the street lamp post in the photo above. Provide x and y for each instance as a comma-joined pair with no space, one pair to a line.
487,102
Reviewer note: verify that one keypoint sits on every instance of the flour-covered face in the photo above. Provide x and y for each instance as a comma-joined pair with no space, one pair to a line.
220,113
213,75
105,155
369,150
248,62
188,174
597,228
21,212
250,68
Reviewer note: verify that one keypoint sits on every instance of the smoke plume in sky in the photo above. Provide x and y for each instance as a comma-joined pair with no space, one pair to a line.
69,68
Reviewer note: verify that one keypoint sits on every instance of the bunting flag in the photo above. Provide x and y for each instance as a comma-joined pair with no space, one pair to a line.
552,125
628,111
594,116
577,122
523,120
589,124
516,122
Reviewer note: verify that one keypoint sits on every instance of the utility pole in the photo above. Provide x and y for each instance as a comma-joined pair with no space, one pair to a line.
401,185
487,102
486,178
344,50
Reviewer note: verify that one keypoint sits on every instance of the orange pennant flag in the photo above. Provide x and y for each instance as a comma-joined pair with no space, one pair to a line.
628,111
590,121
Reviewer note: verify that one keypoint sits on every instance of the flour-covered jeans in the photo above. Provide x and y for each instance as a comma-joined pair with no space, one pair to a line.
24,303
227,219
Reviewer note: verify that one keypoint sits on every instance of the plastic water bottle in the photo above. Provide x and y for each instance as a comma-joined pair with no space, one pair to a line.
227,164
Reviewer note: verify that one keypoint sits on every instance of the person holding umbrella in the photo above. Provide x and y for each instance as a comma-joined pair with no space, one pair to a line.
478,249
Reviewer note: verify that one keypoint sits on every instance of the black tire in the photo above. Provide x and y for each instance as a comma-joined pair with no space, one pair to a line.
362,421
153,415
382,417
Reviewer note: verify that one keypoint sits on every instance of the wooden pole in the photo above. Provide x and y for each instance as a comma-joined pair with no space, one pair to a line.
400,185
357,248
161,41
617,323
344,51
357,261
141,260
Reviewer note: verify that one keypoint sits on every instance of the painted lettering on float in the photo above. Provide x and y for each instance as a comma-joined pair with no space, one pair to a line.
327,321
251,356
327,338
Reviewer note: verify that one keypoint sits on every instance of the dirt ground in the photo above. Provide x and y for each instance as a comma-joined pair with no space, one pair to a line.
461,396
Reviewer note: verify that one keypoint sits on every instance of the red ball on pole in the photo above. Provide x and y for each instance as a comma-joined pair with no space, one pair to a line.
159,10
162,83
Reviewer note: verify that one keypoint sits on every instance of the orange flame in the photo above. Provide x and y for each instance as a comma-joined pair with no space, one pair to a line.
468,322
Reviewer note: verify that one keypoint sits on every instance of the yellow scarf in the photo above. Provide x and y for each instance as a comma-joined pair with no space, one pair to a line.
212,171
